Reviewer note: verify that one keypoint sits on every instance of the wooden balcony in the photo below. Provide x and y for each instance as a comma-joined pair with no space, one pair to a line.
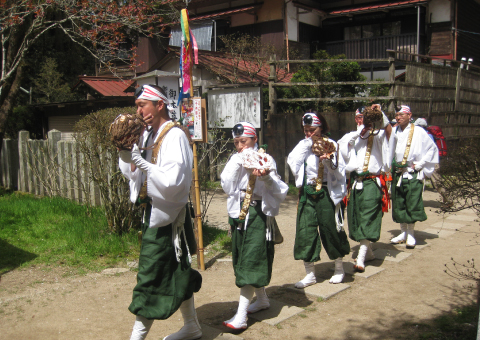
375,48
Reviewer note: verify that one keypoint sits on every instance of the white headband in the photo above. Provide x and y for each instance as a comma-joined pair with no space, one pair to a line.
405,109
244,129
315,120
152,94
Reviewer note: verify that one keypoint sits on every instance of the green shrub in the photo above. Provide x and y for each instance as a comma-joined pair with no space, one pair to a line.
101,160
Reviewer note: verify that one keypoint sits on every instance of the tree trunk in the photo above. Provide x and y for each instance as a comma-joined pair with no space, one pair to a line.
7,99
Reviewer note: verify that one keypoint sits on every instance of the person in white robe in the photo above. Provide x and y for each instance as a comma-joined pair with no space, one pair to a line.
413,155
366,153
254,197
160,177
321,179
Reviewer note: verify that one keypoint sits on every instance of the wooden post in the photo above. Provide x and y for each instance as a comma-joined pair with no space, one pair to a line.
272,94
23,137
287,170
391,73
54,136
429,115
457,88
198,209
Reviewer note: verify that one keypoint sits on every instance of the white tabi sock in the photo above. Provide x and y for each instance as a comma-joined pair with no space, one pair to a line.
140,328
239,321
339,273
403,235
362,252
410,238
261,303
191,328
310,278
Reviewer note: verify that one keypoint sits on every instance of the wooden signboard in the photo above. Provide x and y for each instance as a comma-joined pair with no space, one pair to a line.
194,116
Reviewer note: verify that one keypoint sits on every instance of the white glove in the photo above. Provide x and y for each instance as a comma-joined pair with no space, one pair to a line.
125,156
419,166
386,121
267,180
138,160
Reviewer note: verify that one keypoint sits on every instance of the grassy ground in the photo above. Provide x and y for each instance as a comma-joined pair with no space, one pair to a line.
55,231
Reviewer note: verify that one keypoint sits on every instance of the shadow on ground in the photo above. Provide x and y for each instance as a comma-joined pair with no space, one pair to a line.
213,314
459,322
12,257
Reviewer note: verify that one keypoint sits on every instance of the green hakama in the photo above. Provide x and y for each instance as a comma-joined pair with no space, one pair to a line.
407,200
162,282
316,225
364,211
252,254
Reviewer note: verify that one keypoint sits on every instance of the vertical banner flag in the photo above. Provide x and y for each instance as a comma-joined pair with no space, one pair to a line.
188,42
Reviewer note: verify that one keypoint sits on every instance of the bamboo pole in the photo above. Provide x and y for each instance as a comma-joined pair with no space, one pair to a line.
198,209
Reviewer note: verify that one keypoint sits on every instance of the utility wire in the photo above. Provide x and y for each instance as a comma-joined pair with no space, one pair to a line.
456,29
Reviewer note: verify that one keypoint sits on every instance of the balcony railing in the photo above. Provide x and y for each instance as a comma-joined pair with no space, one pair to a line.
376,47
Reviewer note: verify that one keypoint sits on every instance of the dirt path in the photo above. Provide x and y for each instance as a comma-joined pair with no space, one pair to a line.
39,304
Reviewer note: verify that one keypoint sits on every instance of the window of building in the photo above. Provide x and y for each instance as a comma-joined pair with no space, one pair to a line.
372,30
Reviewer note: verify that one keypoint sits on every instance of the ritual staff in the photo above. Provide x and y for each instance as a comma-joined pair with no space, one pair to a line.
255,192
414,156
365,152
320,174
160,178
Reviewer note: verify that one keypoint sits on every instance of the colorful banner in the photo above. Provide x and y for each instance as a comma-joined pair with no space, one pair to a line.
188,43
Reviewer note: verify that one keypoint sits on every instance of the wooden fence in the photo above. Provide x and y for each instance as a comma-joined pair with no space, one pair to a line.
47,167
447,95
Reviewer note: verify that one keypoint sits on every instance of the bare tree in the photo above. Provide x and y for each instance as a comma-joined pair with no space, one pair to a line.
460,177
105,28
249,55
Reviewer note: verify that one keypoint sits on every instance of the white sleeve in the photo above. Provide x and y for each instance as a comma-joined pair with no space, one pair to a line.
171,180
231,174
428,154
296,158
336,180
275,191
339,170
392,146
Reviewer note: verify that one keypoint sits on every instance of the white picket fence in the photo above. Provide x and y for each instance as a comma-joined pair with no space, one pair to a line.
47,167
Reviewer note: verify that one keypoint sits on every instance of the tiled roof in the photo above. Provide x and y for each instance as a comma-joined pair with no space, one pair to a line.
222,65
107,86
391,5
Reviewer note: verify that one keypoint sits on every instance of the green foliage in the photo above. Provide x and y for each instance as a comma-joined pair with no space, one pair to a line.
51,85
101,160
323,72
23,118
377,90
56,231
